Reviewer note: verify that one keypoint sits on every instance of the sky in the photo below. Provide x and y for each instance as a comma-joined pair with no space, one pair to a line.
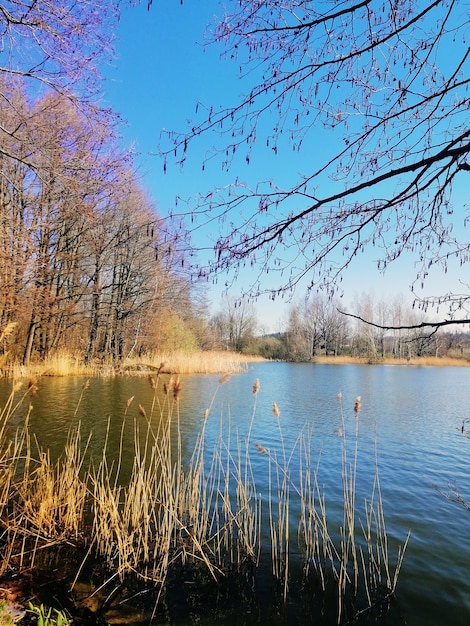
161,70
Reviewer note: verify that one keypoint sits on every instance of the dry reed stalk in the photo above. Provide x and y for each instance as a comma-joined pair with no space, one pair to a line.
204,362
50,498
7,331
347,562
206,511
85,386
312,526
279,518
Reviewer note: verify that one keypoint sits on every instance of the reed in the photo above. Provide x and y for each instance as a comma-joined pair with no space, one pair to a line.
183,363
64,363
424,361
199,513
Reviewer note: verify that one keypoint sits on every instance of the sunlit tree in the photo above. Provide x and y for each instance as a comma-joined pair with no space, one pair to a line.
52,45
316,327
235,325
371,98
57,42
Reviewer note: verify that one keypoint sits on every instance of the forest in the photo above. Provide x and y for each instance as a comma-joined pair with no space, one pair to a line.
83,254
89,266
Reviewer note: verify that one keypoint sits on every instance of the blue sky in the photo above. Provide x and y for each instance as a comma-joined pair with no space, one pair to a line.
161,71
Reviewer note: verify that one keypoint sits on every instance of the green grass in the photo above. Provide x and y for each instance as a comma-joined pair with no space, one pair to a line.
6,619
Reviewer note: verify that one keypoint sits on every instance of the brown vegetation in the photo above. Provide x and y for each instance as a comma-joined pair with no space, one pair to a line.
181,516
176,362
432,361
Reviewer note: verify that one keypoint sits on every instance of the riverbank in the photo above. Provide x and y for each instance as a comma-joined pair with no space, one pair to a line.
183,363
424,361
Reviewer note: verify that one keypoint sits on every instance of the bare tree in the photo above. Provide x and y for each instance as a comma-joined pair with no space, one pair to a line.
301,337
382,87
15,206
57,42
315,326
51,46
236,324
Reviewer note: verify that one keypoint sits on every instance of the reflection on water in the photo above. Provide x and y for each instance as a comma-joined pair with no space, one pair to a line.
410,419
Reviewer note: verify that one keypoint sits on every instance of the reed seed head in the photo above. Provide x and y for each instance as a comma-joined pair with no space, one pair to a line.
261,448
129,401
206,413
224,379
256,387
276,410
142,411
152,382
33,387
8,330
86,384
339,396
357,404
176,388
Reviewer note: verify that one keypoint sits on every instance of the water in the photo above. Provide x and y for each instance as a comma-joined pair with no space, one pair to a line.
410,424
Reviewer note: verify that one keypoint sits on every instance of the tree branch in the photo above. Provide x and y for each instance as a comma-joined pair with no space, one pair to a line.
433,325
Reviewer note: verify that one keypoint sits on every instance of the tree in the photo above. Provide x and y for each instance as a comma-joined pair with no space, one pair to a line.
15,209
298,338
315,326
52,45
382,87
85,261
235,325
369,339
57,42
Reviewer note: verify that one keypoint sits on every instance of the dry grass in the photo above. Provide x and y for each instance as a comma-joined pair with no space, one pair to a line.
66,364
434,361
61,363
192,362
203,513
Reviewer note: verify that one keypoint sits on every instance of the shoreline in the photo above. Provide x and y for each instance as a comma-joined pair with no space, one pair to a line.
223,363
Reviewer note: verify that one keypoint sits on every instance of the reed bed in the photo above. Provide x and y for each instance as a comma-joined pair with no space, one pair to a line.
422,361
183,363
178,514
64,363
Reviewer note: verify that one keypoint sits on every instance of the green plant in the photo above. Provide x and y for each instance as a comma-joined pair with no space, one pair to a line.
48,616
5,618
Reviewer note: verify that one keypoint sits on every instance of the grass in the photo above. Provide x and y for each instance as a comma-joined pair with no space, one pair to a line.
48,616
201,514
208,362
64,363
6,619
430,361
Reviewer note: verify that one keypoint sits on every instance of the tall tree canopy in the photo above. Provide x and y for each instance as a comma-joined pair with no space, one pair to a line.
58,42
50,45
83,259
373,96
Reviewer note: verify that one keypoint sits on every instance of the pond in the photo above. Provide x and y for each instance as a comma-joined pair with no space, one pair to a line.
409,427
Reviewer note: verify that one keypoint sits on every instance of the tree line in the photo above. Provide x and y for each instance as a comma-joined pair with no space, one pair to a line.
86,262
320,326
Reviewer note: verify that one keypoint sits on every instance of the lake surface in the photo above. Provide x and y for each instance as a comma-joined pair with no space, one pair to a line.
410,423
